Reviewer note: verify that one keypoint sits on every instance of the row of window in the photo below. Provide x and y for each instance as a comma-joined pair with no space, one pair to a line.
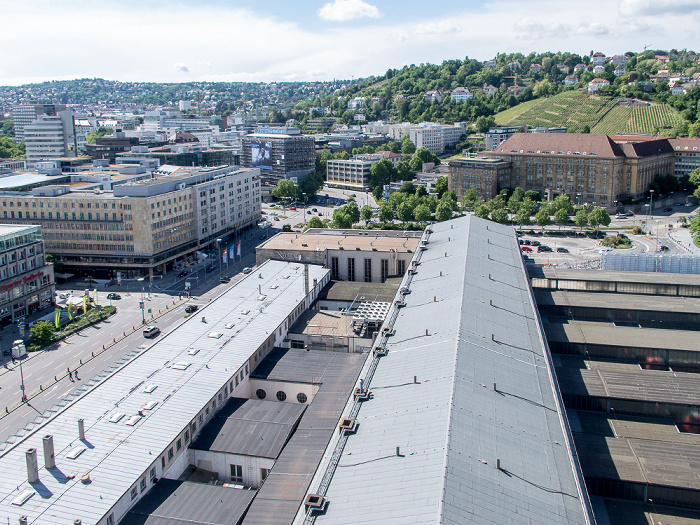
281,395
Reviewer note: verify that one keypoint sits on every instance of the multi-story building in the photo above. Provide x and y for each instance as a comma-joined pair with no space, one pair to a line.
29,111
26,280
352,174
496,136
687,156
50,137
461,94
477,172
428,135
281,153
592,166
140,227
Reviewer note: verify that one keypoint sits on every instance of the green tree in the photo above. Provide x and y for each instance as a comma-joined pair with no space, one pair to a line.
443,211
42,332
421,191
404,212
403,170
315,222
286,189
471,198
581,219
287,227
499,215
422,213
366,213
694,227
311,184
407,146
562,202
408,188
441,186
694,179
100,132
598,217
482,211
523,216
353,211
382,172
386,213
10,149
341,219
561,217
542,217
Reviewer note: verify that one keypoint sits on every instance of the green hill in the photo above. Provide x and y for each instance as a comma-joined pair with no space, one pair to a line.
576,109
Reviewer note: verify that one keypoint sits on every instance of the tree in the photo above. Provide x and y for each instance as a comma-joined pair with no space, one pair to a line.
353,211
42,332
421,191
694,227
341,219
443,211
100,132
366,213
408,188
523,216
562,202
441,186
407,146
286,227
694,179
581,219
403,170
422,213
598,217
471,197
542,217
482,211
386,213
315,222
312,183
11,150
499,215
561,217
382,172
404,212
286,189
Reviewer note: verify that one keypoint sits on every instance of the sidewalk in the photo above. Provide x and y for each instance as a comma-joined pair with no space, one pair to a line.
683,239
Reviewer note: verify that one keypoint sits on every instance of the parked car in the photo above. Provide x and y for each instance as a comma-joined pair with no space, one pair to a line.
668,209
525,242
114,296
320,214
663,248
293,208
151,331
247,270
190,308
605,250
224,279
210,269
678,204
183,273
263,237
277,218
308,212
562,250
534,243
543,248
314,209
526,248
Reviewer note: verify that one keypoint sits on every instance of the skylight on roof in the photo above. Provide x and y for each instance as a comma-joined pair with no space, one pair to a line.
75,452
215,335
133,420
116,417
149,388
181,365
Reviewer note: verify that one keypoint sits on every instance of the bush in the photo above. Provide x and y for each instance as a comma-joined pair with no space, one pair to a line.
91,317
42,332
636,230
620,241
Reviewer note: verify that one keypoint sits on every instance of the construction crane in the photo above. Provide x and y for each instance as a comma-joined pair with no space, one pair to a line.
514,76
646,47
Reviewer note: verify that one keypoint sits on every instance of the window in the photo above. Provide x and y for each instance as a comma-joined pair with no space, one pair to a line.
142,484
401,267
236,473
351,269
281,396
178,444
170,454
264,472
385,269
368,270
134,492
153,473
260,393
162,463
301,397
335,274
110,519
187,436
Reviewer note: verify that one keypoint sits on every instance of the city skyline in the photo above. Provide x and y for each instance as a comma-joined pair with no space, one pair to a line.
161,41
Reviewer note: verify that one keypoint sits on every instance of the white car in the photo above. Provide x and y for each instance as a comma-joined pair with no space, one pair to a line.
247,270
605,250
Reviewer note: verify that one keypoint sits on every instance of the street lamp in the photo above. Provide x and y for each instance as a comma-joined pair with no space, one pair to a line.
651,204
218,246
646,221
657,234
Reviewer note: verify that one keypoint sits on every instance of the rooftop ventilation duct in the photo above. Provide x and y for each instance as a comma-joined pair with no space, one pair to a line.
49,458
32,466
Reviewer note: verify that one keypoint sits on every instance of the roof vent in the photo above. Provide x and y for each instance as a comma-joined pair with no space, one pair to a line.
193,351
380,351
348,425
315,503
133,420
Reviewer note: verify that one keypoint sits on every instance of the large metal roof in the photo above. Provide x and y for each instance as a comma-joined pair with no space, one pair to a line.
189,369
464,423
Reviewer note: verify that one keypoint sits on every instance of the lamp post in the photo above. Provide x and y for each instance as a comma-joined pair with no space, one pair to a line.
657,234
578,195
651,204
218,247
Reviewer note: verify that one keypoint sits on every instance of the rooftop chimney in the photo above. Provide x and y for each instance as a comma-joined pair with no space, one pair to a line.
49,458
81,429
306,279
32,466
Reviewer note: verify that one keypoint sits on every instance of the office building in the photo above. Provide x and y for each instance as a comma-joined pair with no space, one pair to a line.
351,174
29,111
140,227
280,153
477,172
50,137
26,280
687,156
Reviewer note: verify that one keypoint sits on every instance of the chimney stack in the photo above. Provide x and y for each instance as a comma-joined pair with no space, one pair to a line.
81,429
32,466
49,458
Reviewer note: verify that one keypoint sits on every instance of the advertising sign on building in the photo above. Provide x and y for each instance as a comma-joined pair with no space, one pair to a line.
261,155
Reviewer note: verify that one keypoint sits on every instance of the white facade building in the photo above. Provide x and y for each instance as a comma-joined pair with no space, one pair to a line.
50,137
430,136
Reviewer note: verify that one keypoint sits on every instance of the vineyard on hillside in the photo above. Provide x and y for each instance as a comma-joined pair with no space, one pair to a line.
638,119
572,109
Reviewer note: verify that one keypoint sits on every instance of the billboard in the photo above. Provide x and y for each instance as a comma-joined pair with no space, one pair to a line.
261,154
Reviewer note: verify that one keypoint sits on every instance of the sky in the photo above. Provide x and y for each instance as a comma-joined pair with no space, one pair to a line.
307,40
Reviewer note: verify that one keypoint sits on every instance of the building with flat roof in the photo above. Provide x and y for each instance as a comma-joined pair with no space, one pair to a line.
133,424
687,152
282,153
30,110
457,416
26,279
50,137
351,255
136,227
351,174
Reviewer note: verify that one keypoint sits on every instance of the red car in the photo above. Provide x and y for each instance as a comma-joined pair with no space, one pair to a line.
293,208
526,248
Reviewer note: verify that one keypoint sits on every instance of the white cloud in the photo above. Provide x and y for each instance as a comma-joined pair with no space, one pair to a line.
181,68
594,28
344,10
529,29
658,7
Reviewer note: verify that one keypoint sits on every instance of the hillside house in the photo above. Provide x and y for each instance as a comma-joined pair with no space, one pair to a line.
580,67
619,60
619,71
563,68
490,64
461,94
570,80
596,84
490,90
515,65
535,68
598,59
598,69
433,96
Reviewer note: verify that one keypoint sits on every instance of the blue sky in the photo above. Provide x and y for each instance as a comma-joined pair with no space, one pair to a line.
276,40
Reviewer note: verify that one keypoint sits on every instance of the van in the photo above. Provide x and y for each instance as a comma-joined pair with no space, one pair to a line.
151,331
